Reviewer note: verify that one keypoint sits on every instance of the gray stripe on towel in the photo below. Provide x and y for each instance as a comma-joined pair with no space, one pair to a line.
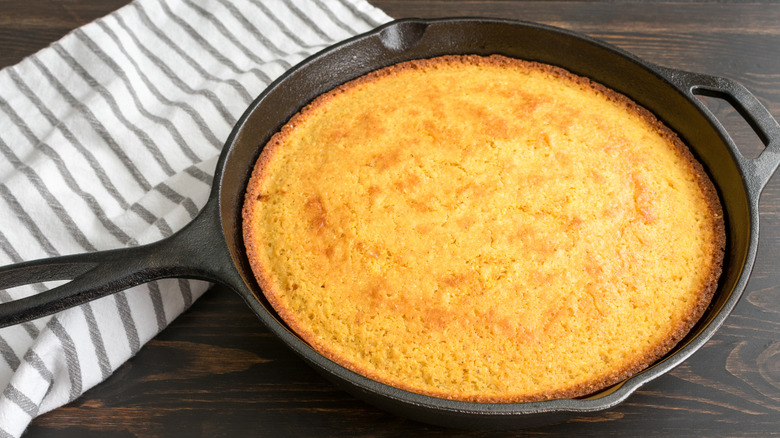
326,7
71,357
139,133
216,54
251,28
96,125
97,341
36,362
70,181
126,316
72,139
51,200
360,14
8,354
308,21
157,304
279,23
144,17
21,400
122,76
180,84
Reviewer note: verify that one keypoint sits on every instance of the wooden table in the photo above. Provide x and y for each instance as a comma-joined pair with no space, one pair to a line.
217,372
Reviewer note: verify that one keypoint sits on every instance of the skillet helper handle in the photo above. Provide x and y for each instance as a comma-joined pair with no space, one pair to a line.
758,170
196,251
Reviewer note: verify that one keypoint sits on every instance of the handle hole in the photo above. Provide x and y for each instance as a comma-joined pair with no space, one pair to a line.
18,292
749,143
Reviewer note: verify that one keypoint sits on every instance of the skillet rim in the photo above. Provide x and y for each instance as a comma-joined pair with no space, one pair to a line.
389,397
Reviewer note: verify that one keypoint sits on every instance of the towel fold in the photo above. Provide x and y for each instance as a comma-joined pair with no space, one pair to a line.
109,139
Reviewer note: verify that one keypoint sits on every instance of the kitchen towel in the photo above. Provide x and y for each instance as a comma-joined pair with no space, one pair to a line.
109,139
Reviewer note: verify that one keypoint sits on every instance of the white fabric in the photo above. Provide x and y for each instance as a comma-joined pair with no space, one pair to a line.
108,139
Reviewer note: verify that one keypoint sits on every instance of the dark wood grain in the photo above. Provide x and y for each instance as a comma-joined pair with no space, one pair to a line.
30,25
217,372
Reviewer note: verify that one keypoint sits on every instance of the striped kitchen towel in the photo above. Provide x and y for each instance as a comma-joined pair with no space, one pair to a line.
109,138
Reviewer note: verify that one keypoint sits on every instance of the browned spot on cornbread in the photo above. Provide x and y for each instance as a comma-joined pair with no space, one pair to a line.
406,183
483,229
385,160
643,199
375,196
316,213
458,280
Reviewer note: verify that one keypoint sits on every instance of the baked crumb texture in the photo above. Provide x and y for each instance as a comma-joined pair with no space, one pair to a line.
483,229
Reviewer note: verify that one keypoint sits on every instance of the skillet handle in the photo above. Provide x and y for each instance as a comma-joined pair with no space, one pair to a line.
758,170
197,251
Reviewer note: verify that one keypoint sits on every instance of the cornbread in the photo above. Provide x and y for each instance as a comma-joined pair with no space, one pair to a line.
483,229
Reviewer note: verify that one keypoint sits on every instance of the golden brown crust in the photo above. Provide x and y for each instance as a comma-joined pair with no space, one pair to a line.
268,283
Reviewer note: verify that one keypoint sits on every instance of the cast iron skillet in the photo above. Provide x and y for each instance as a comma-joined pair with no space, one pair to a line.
211,246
